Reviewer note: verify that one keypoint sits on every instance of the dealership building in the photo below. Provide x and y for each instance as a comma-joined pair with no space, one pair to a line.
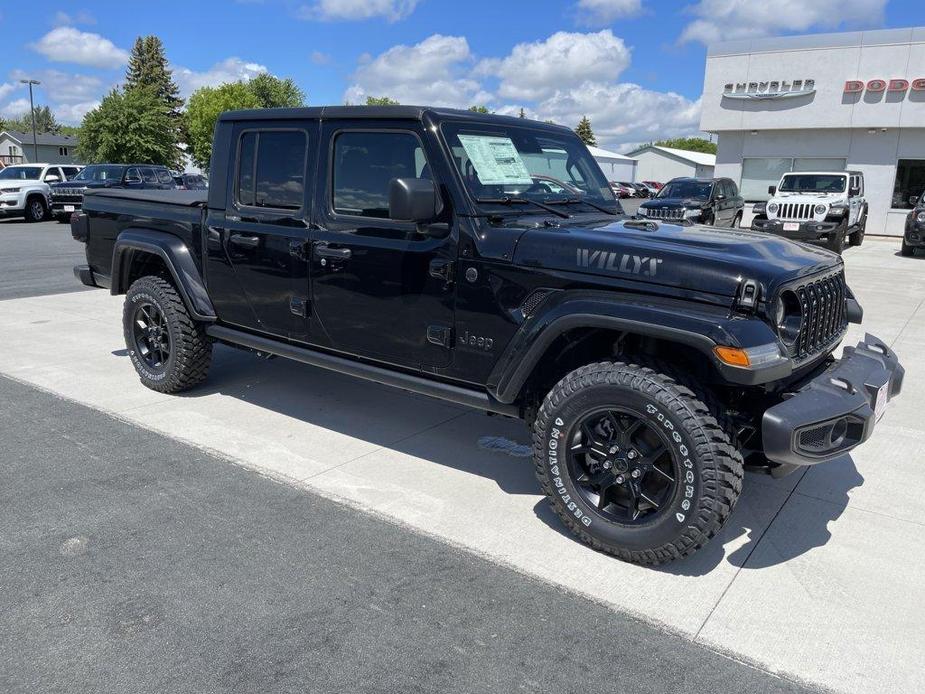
822,102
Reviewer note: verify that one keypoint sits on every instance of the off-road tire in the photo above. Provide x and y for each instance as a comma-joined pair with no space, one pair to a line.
36,209
190,350
907,250
836,242
857,237
715,464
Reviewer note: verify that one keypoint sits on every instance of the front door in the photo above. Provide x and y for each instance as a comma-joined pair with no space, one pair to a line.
257,267
381,289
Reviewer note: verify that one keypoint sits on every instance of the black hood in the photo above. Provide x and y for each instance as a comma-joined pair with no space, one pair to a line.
82,184
674,203
697,258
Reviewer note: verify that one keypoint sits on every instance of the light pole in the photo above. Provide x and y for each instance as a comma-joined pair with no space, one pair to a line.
35,143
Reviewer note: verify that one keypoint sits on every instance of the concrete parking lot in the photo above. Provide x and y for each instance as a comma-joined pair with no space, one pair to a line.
816,577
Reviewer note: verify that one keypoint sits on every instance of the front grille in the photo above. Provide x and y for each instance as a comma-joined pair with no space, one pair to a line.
816,438
796,210
67,192
824,315
664,213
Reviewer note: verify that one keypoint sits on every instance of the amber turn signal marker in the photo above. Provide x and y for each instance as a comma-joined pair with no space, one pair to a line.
733,356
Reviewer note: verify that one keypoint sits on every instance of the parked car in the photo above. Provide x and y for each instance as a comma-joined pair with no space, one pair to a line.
642,190
709,201
190,182
654,184
622,190
24,189
914,234
67,197
826,207
388,243
653,190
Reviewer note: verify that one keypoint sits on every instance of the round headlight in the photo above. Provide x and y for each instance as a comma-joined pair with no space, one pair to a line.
821,209
920,217
788,317
772,207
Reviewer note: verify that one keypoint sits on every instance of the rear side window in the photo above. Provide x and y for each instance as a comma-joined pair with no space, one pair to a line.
149,175
364,166
164,177
731,187
271,169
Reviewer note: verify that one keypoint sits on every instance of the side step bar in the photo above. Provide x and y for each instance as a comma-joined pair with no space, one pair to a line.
416,384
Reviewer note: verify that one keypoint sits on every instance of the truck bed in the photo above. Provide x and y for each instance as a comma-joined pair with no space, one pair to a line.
190,198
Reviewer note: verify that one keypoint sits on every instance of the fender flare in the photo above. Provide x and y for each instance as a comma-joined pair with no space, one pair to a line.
693,326
176,256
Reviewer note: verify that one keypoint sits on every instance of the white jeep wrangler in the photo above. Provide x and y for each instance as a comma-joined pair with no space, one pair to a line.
823,206
24,189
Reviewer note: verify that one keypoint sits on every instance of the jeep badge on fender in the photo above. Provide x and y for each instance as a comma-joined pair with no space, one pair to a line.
651,358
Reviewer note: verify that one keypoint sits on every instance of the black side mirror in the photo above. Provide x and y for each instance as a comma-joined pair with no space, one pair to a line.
854,192
772,190
720,197
412,200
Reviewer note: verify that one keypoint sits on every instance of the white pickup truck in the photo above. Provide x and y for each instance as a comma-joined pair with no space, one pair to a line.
823,206
24,190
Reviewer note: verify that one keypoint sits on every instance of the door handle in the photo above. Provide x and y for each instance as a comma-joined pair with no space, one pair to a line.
334,253
242,240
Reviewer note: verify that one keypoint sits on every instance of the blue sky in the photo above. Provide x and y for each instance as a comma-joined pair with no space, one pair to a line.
635,67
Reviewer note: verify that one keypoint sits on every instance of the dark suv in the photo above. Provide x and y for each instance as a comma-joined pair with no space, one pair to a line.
67,197
711,201
914,235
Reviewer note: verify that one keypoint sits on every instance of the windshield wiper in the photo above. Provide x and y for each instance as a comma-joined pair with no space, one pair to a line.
574,201
512,200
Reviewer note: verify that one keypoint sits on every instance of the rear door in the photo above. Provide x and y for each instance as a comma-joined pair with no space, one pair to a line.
381,288
257,268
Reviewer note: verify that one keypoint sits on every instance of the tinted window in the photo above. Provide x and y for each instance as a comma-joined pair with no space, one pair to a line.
271,169
133,176
69,171
733,190
366,163
149,176
164,177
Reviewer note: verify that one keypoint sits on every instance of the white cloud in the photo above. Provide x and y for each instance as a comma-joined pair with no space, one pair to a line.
606,11
537,70
229,70
65,19
320,58
15,108
352,10
70,45
434,71
719,20
623,113
7,87
62,87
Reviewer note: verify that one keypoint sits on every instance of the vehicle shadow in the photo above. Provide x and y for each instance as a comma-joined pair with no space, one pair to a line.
498,449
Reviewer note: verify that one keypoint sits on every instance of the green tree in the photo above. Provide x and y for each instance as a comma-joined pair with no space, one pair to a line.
273,92
380,101
690,144
585,132
44,122
202,112
479,109
148,68
134,125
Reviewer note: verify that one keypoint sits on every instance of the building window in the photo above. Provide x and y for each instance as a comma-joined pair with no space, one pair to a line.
910,183
62,151
760,173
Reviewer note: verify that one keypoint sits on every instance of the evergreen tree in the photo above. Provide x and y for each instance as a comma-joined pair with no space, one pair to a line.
585,132
479,109
44,122
147,67
380,101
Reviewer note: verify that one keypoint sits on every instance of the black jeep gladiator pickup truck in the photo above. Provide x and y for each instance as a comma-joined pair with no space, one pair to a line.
413,247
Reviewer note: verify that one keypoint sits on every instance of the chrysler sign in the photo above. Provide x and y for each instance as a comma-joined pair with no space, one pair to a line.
772,89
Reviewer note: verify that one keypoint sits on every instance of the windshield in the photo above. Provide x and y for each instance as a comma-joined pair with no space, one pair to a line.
499,161
686,189
98,172
813,183
21,173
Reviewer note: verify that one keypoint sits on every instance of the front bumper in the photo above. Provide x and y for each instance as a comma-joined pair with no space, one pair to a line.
85,275
809,230
835,411
915,235
59,207
12,204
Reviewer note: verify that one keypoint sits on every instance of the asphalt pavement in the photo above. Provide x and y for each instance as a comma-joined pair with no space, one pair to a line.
37,259
135,563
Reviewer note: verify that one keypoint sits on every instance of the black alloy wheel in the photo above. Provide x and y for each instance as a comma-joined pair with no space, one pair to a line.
151,336
623,466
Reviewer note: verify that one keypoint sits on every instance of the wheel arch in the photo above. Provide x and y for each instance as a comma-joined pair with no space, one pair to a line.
135,245
590,315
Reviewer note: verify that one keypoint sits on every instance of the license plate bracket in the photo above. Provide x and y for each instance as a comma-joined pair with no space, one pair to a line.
883,393
69,208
